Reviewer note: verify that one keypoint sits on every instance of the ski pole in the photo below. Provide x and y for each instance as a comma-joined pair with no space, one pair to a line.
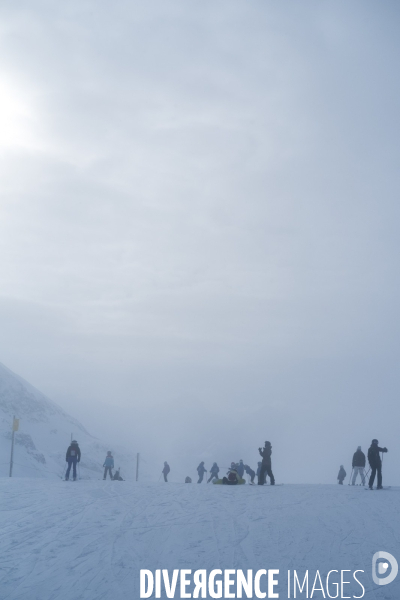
160,476
351,475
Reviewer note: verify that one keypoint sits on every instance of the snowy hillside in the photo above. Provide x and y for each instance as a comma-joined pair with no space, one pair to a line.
88,540
44,433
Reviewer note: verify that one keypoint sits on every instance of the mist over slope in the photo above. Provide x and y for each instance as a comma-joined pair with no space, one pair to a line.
44,434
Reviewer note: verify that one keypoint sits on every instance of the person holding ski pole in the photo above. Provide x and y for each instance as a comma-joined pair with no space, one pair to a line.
358,465
266,467
108,465
375,463
72,457
213,472
201,470
165,471
341,475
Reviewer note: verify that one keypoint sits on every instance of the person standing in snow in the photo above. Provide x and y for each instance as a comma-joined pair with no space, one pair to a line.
375,463
240,468
165,471
258,469
266,466
341,475
358,465
201,470
72,457
250,472
213,472
108,465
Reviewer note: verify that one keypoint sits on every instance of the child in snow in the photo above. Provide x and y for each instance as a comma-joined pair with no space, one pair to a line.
341,475
108,465
250,472
165,471
117,475
232,477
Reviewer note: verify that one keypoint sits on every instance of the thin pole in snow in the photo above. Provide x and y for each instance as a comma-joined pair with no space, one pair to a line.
12,445
137,466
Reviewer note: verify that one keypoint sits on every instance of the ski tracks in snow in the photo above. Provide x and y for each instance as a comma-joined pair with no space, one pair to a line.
88,540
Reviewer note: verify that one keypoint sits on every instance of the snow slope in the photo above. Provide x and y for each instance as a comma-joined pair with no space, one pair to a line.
44,434
87,540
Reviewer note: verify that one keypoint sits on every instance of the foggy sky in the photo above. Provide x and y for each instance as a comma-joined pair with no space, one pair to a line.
199,224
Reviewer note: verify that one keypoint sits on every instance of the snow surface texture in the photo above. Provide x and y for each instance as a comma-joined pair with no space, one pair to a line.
44,434
87,540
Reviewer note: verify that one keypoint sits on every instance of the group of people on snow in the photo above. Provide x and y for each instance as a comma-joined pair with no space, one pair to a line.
73,457
236,471
358,466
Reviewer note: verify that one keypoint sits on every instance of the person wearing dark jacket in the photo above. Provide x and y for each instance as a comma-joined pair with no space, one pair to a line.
165,471
375,463
72,457
232,477
266,467
201,470
240,468
250,472
117,476
341,475
358,465
213,472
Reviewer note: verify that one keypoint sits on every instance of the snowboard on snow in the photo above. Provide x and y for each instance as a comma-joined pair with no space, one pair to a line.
269,485
220,482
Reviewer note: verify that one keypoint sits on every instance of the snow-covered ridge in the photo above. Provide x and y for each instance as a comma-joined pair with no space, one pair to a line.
44,434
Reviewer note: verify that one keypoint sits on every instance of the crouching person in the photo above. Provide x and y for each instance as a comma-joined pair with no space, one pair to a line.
341,475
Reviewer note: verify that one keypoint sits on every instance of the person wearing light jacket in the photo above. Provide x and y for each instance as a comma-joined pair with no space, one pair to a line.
108,465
